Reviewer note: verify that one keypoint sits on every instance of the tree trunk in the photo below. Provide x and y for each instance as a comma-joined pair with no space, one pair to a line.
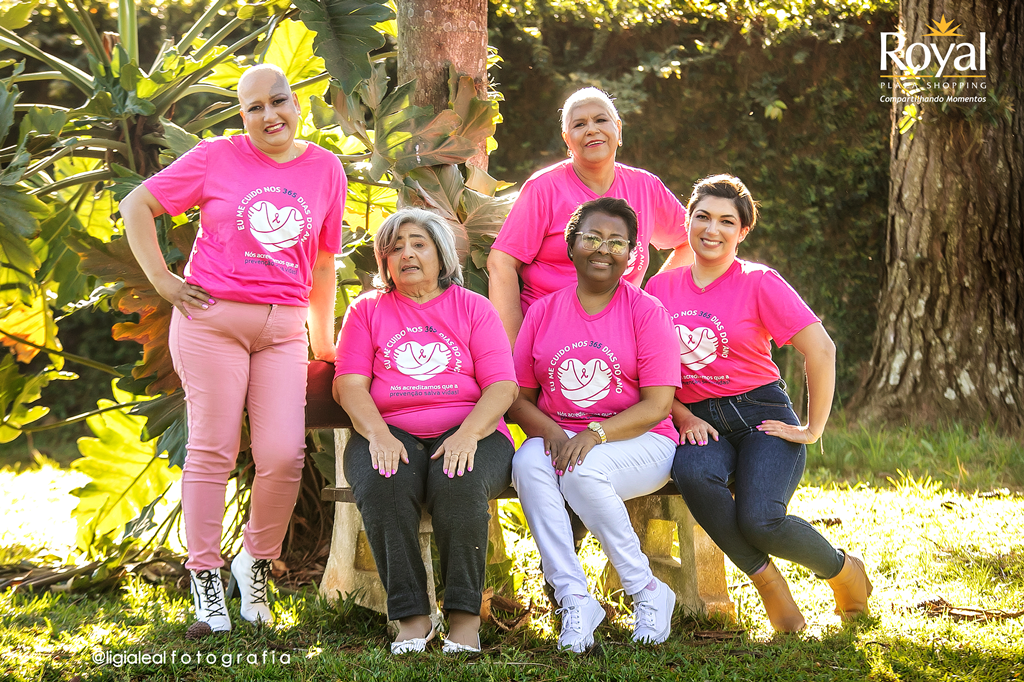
951,310
433,34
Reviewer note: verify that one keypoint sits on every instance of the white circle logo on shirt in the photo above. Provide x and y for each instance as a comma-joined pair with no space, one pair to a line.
584,383
697,348
422,362
275,228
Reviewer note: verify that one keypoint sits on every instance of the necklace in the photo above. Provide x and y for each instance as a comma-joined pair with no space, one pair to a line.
703,287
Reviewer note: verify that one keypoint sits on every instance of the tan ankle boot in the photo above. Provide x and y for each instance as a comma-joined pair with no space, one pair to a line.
852,588
778,601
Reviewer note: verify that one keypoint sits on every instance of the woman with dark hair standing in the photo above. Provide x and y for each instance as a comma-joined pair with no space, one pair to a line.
737,423
596,392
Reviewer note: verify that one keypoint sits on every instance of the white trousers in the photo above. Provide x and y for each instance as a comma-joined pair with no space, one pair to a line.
612,472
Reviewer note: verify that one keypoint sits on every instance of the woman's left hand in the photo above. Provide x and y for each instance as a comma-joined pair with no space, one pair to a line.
458,450
794,434
572,452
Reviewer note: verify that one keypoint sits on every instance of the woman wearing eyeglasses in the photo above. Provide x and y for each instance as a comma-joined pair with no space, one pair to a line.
596,388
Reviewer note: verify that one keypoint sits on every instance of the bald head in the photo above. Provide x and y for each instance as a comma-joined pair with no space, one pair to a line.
259,80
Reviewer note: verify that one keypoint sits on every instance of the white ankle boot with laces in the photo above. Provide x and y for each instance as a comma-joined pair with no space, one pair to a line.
208,599
250,576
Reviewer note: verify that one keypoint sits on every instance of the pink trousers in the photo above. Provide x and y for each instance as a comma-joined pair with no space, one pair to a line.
230,356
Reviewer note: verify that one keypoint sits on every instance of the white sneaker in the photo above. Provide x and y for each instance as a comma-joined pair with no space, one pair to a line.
652,613
208,599
580,617
250,575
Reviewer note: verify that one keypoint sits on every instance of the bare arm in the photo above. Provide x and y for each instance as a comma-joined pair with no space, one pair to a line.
352,392
459,449
503,290
535,423
820,364
680,256
692,429
321,307
566,453
139,211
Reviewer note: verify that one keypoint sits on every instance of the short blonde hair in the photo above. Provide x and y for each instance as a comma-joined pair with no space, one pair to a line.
586,96
439,231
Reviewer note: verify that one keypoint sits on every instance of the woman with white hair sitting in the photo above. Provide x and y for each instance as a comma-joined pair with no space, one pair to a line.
425,372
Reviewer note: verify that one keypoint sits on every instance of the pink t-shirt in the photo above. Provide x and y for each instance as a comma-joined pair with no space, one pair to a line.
428,363
262,222
534,231
724,331
591,367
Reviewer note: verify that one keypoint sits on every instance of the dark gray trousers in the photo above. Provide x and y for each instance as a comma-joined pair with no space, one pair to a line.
391,509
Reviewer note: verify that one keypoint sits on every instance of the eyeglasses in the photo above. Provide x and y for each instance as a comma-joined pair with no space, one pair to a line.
593,242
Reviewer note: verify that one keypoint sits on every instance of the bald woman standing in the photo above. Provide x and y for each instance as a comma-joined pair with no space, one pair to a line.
260,272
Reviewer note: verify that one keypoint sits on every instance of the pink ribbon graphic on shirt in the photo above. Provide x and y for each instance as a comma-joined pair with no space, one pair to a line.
584,383
698,348
422,362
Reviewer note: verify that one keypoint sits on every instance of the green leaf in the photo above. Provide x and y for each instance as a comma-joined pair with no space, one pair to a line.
347,113
373,89
479,116
8,98
366,206
478,180
346,34
19,220
160,413
17,391
127,474
61,264
407,136
291,48
101,105
174,441
177,139
442,187
17,16
44,121
483,215
33,322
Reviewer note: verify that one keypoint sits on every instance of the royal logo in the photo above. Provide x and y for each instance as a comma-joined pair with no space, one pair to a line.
918,56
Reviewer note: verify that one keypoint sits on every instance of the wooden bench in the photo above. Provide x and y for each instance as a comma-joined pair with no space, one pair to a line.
697,577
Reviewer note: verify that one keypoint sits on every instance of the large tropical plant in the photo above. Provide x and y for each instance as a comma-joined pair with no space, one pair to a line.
68,166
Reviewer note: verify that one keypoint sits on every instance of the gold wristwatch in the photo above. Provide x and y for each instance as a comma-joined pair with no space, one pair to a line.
599,430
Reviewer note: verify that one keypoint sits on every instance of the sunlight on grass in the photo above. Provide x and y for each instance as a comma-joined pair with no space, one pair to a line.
919,536
37,524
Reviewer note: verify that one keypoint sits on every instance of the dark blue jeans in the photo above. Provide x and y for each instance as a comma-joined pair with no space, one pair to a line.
764,472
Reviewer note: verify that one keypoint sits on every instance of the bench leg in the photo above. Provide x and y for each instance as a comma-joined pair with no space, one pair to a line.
698,576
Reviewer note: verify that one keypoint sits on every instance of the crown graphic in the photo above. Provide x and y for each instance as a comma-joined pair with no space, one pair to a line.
943,29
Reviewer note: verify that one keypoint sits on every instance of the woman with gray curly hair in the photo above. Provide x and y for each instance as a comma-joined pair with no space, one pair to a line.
425,372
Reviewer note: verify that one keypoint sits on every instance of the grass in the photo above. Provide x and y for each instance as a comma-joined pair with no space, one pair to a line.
921,535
